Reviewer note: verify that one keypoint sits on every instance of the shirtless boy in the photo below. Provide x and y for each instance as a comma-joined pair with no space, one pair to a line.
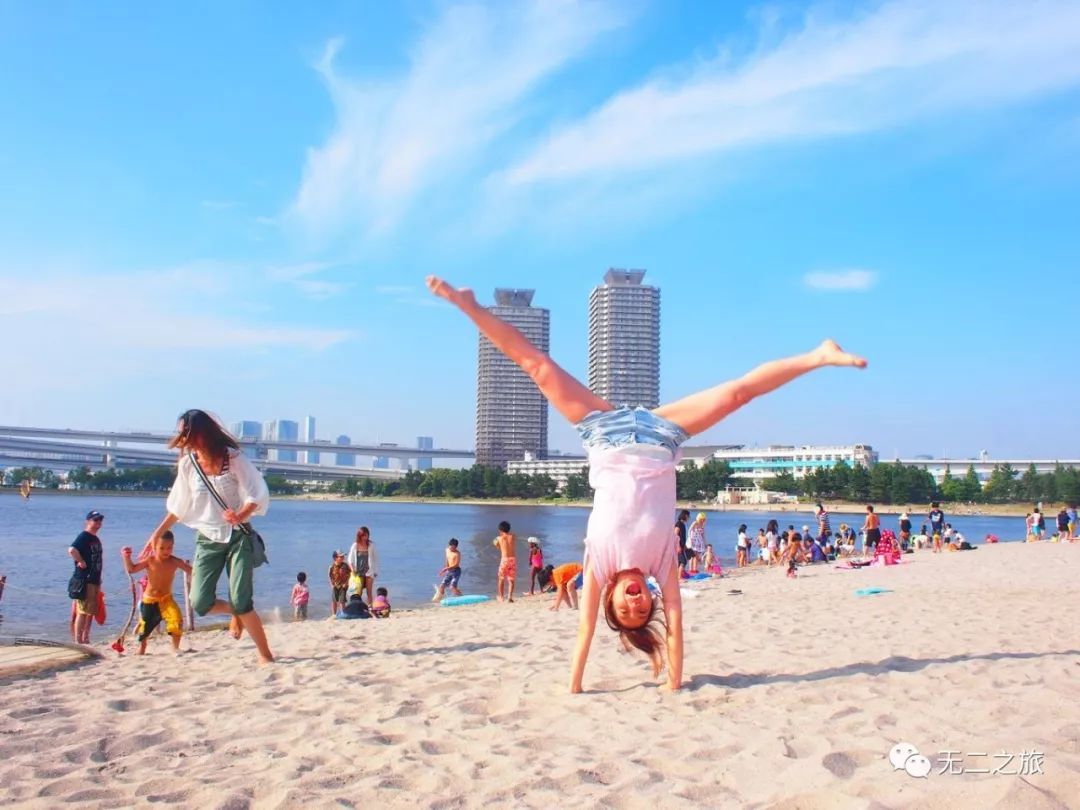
157,603
452,571
508,563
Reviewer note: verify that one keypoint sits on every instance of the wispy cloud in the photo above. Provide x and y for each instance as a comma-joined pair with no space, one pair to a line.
126,325
894,63
299,276
843,280
468,78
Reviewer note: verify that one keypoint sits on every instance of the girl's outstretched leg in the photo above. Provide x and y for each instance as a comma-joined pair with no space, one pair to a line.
568,396
700,411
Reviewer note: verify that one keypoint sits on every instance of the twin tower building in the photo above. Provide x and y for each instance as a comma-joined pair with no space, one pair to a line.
624,364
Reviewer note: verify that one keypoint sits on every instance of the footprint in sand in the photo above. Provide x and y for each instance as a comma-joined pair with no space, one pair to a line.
839,764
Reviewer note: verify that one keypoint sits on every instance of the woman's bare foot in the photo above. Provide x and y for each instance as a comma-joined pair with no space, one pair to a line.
236,628
462,297
831,354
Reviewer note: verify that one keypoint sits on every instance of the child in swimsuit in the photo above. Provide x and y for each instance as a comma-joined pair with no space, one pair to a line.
536,563
158,604
632,457
380,607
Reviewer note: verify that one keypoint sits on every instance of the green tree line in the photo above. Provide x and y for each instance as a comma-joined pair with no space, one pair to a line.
892,483
885,483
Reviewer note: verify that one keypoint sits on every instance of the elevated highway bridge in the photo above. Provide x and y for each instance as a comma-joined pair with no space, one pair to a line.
66,449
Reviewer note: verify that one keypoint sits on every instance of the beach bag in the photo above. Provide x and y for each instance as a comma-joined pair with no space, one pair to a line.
258,545
77,584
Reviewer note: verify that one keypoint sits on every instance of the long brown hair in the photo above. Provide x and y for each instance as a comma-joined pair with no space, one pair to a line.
364,532
649,637
199,426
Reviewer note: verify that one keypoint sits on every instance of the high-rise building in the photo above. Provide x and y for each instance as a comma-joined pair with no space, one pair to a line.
308,435
424,443
511,413
383,462
245,432
624,340
344,459
246,429
281,430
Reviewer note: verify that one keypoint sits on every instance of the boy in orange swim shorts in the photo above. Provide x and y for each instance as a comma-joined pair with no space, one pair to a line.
507,564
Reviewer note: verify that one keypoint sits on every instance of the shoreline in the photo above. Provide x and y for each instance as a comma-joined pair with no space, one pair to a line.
1016,509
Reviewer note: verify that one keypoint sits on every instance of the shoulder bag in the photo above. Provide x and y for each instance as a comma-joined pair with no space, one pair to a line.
258,545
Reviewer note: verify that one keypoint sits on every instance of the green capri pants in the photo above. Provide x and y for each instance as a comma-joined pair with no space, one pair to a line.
211,559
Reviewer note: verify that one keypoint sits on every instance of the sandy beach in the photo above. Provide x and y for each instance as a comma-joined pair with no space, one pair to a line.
795,692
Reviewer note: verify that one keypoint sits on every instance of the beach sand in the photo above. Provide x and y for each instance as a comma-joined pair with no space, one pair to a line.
795,692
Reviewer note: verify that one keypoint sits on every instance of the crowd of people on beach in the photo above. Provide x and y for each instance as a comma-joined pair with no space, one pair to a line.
633,563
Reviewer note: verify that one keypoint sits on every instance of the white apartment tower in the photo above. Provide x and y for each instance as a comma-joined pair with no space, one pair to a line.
624,340
511,413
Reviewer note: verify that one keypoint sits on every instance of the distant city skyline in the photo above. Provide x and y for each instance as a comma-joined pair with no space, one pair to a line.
901,176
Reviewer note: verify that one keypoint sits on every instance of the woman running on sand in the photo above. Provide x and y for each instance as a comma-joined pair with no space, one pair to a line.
632,456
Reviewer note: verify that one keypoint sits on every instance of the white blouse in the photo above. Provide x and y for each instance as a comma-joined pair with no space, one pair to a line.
194,506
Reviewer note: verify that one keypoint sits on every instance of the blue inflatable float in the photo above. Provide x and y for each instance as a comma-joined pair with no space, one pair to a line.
466,599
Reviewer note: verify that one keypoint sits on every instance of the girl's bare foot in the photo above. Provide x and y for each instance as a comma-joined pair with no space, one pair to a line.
460,297
236,628
832,355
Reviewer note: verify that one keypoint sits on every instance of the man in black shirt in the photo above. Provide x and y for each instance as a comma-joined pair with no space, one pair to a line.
86,552
680,538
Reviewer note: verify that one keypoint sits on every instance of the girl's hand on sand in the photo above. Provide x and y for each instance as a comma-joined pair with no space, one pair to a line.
831,354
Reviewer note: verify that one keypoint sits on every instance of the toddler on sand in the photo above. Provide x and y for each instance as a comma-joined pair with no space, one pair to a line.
300,596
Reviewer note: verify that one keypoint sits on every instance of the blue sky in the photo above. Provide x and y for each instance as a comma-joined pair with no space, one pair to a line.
233,206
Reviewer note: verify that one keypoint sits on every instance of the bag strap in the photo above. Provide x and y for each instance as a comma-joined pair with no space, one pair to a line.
244,527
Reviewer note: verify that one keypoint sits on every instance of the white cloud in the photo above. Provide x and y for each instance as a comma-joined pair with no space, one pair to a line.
845,280
299,277
468,78
895,63
140,325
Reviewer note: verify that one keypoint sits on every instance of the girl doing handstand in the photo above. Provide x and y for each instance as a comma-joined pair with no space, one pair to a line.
632,456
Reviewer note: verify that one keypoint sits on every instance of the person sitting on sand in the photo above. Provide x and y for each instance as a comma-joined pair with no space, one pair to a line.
711,563
920,540
356,608
157,601
845,541
632,454
564,578
380,608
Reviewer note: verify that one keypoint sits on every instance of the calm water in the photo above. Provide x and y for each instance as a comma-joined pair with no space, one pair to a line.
301,535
